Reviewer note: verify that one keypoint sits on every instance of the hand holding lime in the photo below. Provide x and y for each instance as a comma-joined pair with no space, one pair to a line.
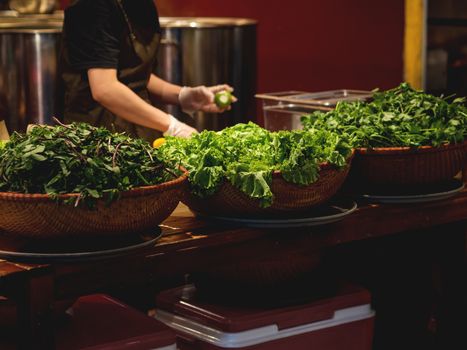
223,99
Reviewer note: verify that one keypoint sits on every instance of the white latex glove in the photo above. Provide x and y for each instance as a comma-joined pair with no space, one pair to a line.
179,129
201,98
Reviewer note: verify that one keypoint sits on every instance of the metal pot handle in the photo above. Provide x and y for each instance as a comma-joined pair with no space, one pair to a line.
165,41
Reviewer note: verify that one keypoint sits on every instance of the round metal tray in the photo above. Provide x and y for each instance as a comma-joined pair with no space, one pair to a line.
77,249
325,214
419,195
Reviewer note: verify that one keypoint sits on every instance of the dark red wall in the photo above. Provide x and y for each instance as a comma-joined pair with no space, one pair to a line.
315,45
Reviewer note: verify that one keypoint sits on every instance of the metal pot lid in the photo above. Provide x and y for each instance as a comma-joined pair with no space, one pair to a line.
30,27
31,23
11,19
7,15
33,6
205,22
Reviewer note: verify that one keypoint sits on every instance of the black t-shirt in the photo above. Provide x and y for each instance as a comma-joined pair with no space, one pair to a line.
94,28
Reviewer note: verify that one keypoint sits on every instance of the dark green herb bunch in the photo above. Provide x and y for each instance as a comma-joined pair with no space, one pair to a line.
78,158
246,155
396,118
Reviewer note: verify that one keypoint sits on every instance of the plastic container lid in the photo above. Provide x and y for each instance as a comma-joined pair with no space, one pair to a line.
99,322
323,98
233,327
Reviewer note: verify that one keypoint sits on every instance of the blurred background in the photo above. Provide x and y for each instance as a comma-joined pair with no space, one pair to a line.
295,45
315,45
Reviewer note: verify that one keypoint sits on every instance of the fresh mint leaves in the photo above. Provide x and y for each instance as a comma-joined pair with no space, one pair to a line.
400,117
78,158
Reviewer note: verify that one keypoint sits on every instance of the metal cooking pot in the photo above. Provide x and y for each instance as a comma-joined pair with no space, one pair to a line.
193,51
28,71
33,6
210,51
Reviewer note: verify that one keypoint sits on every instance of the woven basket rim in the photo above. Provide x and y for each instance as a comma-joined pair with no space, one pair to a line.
134,192
409,150
292,197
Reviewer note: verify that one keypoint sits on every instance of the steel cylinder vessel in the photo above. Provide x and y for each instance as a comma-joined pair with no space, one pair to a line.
28,70
210,51
193,51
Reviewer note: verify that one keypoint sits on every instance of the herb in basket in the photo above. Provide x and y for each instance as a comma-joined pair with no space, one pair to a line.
401,117
78,158
246,155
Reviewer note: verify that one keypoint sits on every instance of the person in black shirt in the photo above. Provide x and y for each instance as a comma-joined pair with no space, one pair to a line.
108,59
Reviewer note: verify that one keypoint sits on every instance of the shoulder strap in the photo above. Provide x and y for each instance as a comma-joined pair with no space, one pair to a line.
72,2
125,16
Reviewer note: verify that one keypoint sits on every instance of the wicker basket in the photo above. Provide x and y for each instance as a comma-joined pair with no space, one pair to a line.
404,166
229,201
137,210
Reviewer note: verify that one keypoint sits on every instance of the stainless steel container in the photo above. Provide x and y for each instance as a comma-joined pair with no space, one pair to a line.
33,6
286,116
283,110
28,70
194,51
210,51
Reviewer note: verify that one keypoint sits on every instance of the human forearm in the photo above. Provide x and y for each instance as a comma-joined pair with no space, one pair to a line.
122,101
163,90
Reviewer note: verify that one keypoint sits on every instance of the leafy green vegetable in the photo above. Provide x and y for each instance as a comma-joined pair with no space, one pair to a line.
2,143
78,158
395,118
246,155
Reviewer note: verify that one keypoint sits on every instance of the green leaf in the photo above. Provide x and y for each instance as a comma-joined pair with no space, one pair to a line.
93,193
246,156
78,158
305,175
254,184
395,118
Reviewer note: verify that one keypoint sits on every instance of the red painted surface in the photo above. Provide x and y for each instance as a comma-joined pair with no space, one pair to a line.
315,45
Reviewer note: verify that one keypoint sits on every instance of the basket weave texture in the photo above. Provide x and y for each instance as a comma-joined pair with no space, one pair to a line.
288,197
405,166
137,210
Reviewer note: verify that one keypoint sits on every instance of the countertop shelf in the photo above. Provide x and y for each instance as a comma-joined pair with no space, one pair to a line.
184,235
189,244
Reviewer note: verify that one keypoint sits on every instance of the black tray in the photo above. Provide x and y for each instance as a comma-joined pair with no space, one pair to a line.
333,211
76,249
420,194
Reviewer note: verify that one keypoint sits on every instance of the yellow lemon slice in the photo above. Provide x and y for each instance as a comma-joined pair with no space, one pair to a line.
158,142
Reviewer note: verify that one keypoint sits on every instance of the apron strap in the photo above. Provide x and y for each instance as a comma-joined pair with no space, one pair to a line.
125,16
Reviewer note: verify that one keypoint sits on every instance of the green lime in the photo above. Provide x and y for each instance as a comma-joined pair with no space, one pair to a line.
223,99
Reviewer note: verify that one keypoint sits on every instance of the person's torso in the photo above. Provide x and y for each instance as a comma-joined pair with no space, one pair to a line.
138,39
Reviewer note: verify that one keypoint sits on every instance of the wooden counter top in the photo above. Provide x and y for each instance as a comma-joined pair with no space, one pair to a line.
184,234
189,244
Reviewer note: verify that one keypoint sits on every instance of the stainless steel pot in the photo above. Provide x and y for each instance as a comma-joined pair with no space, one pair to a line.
210,51
33,6
28,72
194,51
